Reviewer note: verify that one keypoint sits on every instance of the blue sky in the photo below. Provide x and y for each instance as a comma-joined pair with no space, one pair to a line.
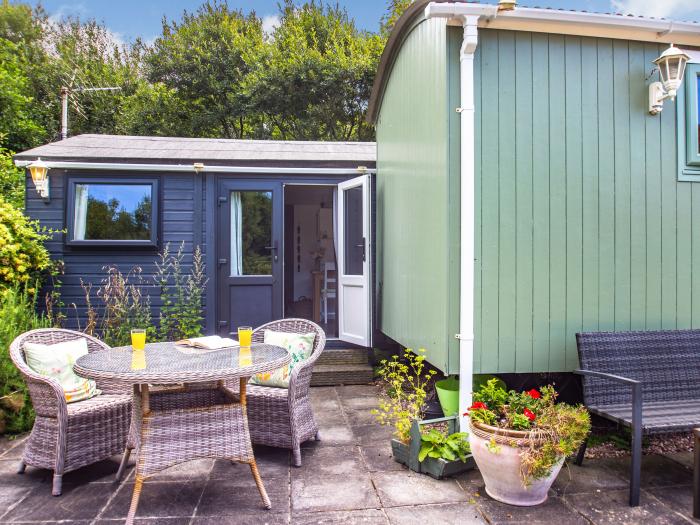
128,19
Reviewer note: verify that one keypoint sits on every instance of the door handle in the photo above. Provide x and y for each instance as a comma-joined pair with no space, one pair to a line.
273,249
364,249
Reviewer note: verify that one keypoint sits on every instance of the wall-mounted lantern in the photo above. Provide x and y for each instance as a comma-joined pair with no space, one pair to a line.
40,176
671,65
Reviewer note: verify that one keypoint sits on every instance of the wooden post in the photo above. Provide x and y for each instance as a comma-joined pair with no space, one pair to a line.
243,383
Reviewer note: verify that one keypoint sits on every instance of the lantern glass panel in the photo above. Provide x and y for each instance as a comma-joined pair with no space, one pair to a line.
38,174
673,66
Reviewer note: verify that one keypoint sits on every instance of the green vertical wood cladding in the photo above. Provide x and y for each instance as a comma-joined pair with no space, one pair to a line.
581,222
417,200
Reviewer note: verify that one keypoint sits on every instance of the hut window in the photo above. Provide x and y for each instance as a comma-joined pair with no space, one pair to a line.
112,213
251,233
688,113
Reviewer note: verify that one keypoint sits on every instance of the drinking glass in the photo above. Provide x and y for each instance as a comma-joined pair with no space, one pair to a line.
138,360
245,334
245,358
138,338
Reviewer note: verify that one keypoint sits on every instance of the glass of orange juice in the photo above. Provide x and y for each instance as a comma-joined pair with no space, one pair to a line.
245,334
138,338
138,360
244,356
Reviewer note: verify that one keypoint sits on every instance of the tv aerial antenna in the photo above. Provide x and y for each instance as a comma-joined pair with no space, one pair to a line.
65,92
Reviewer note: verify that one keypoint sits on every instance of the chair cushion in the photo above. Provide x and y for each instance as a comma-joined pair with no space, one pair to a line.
299,346
56,362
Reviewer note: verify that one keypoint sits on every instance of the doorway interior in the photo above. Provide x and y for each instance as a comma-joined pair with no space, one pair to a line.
310,266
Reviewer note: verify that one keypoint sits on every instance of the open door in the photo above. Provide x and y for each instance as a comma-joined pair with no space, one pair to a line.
354,261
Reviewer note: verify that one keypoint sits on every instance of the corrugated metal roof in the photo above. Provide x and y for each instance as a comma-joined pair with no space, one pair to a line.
176,149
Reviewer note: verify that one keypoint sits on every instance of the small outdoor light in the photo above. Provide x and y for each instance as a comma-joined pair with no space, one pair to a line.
40,176
671,66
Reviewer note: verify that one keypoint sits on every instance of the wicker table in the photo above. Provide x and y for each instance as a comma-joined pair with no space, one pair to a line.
189,414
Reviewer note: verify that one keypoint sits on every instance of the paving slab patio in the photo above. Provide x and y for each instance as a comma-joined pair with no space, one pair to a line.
347,478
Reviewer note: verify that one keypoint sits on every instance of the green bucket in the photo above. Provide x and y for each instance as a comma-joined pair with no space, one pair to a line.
448,394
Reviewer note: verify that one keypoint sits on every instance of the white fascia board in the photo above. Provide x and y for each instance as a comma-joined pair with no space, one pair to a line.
251,170
574,23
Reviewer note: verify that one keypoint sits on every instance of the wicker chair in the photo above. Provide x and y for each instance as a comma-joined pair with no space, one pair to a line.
283,417
67,436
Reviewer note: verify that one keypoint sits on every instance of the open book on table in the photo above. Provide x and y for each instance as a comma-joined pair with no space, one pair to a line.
210,342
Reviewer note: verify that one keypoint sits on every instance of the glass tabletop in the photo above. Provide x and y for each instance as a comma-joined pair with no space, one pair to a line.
169,362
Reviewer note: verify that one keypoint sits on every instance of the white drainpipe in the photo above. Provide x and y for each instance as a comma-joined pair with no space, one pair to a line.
469,14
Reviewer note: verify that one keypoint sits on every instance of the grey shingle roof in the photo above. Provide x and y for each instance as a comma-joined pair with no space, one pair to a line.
180,150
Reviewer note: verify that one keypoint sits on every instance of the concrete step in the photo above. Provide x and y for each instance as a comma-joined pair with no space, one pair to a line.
343,356
335,374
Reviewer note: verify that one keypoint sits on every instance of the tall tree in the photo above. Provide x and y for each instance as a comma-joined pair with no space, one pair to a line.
18,126
87,55
394,11
314,75
205,59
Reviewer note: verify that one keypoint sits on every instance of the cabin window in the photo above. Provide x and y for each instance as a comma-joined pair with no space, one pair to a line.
688,111
251,233
112,212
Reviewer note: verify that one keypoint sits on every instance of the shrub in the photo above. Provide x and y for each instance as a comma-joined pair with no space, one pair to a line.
11,180
123,307
23,257
18,314
181,295
406,383
120,304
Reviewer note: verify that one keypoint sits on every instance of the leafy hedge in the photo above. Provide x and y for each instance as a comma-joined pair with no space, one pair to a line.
18,314
24,261
23,257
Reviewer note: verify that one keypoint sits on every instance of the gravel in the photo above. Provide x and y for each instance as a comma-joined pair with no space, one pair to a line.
612,445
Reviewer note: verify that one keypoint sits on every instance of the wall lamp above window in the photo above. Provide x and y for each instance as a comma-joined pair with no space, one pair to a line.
671,66
40,176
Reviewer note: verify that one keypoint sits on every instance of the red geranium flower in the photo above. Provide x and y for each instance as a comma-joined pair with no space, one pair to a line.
529,414
478,405
534,394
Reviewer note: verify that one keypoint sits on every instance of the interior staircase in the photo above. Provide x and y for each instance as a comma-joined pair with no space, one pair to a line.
342,366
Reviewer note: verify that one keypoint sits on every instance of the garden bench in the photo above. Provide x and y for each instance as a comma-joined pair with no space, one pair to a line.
648,381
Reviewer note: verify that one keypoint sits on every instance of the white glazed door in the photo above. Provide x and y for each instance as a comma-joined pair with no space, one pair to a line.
354,261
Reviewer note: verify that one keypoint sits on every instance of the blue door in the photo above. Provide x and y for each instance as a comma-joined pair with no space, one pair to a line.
249,254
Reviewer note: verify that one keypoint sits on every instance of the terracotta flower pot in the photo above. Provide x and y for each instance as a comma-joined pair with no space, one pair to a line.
497,453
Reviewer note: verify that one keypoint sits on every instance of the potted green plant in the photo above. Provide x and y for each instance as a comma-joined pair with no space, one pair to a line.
520,440
440,451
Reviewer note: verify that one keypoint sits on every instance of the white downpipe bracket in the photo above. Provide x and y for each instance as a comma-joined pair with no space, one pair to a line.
469,15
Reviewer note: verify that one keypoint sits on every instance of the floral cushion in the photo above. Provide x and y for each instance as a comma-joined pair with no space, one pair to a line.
56,361
300,347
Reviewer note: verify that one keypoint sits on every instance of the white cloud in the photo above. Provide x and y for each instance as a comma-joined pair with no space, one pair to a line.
675,9
116,38
269,23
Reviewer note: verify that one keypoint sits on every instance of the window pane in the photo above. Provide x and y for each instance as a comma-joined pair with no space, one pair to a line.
354,241
251,233
112,212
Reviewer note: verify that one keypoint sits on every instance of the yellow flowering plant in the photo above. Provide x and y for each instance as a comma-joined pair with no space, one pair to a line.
406,382
23,257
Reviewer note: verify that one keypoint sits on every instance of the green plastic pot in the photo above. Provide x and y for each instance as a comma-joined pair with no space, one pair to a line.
448,394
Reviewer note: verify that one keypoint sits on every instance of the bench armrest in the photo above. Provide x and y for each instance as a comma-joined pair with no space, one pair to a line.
636,397
611,377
